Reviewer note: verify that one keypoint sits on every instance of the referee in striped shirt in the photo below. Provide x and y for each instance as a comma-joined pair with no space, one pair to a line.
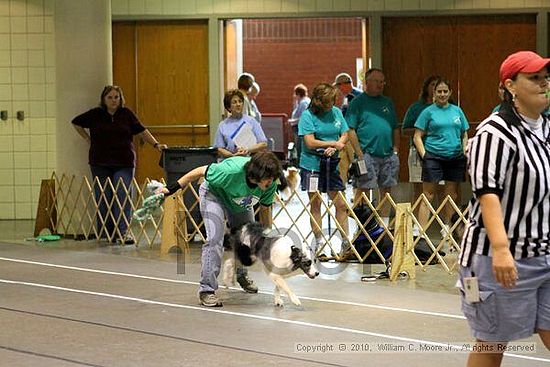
505,257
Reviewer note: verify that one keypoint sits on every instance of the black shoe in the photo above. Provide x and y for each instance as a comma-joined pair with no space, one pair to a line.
247,284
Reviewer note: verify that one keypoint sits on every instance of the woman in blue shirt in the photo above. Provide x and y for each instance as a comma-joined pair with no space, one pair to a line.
227,137
440,139
324,131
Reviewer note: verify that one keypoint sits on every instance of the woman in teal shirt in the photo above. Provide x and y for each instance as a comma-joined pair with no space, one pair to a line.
440,139
425,99
324,132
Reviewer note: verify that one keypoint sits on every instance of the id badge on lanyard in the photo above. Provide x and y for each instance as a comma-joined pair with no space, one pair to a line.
313,184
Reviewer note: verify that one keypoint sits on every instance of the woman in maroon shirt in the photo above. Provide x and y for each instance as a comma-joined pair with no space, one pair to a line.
109,129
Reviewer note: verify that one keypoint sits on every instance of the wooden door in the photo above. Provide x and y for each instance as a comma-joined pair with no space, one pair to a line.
467,50
163,69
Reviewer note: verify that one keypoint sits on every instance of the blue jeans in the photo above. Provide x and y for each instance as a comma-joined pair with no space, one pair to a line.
214,213
109,209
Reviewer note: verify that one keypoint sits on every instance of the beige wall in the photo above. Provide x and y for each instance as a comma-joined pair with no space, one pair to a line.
32,74
301,7
83,54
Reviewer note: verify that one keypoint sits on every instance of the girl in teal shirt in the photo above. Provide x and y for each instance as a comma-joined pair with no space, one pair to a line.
440,139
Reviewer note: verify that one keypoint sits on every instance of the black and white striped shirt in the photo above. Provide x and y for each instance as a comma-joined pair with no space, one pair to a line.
508,159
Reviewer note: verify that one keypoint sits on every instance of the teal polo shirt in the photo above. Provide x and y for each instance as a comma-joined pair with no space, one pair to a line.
444,127
327,126
373,119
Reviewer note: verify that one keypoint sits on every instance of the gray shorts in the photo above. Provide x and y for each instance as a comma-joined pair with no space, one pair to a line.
381,172
508,314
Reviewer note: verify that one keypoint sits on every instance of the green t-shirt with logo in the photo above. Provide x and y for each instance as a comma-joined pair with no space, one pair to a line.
444,128
327,126
373,119
227,181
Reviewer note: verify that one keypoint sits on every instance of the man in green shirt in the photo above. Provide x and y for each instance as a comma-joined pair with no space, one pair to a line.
374,136
230,190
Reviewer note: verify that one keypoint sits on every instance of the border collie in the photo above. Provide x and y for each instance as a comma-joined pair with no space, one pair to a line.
278,254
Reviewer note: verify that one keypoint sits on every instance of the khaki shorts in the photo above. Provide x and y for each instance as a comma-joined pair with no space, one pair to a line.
415,166
381,172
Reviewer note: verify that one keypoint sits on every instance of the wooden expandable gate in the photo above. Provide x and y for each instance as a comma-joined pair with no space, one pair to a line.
70,206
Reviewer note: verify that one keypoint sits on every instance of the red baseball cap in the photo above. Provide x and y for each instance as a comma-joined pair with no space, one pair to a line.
521,62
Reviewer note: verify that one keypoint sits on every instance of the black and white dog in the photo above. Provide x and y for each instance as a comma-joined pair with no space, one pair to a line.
279,255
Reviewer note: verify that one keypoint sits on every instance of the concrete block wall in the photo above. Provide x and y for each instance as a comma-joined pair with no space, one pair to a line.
27,83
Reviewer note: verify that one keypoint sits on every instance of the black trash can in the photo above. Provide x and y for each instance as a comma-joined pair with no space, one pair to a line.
178,161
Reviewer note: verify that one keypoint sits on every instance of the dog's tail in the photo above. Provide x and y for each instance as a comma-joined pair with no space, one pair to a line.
244,254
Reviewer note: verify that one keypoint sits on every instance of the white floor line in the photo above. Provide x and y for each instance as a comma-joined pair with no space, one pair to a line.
358,304
265,318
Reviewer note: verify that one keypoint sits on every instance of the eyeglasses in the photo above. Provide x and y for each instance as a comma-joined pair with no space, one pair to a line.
340,83
378,81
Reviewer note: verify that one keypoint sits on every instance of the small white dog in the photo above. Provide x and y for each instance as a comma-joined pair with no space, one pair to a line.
279,255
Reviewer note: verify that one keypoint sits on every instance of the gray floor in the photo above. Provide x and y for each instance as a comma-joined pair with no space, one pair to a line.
72,303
